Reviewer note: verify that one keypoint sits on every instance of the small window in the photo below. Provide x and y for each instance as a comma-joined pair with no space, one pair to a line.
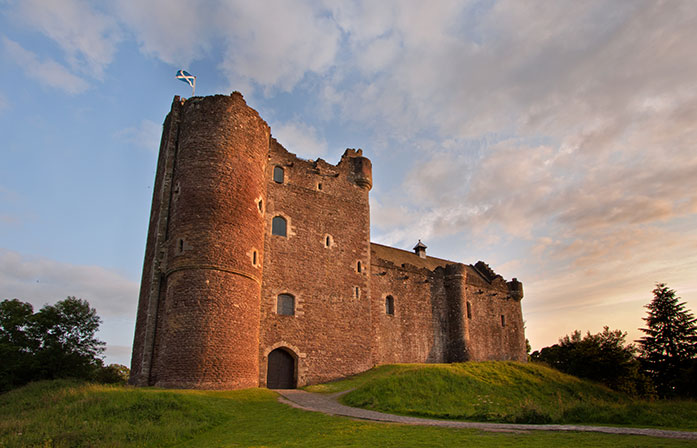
285,305
358,267
278,174
319,186
254,258
389,305
357,292
181,246
278,226
469,311
260,204
328,241
503,320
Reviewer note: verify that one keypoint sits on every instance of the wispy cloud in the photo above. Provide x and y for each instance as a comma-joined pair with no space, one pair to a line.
271,45
300,138
88,38
145,135
40,280
47,71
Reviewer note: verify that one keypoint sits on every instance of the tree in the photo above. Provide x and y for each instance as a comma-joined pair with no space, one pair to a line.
604,357
56,342
669,348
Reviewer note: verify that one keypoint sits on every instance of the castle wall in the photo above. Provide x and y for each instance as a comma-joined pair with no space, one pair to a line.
329,333
417,331
208,313
487,337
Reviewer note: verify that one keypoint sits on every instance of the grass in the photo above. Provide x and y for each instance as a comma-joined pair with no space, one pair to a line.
71,414
506,392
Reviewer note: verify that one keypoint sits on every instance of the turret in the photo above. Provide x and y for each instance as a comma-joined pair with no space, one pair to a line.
515,289
361,169
207,330
455,287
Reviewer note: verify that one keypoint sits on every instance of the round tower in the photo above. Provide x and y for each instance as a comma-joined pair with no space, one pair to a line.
209,335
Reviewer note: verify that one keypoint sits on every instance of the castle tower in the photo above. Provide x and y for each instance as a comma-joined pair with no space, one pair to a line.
198,313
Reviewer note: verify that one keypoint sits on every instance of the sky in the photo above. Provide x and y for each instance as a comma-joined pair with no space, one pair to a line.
553,140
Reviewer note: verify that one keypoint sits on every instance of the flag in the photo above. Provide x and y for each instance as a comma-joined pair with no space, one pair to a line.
186,77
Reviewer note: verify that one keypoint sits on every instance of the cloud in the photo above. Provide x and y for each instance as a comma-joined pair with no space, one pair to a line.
300,138
145,135
271,44
87,37
47,72
175,35
40,280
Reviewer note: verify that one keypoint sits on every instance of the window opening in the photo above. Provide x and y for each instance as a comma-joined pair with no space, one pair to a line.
358,266
328,242
181,246
285,305
254,258
278,174
503,320
319,186
469,311
261,205
389,305
278,226
357,292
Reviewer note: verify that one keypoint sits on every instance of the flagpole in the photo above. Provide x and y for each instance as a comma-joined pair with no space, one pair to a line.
193,88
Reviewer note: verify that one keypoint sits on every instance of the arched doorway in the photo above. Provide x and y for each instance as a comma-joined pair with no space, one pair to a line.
281,370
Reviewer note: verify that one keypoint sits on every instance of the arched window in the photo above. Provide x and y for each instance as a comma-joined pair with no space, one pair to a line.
469,311
278,174
358,266
278,226
285,305
389,305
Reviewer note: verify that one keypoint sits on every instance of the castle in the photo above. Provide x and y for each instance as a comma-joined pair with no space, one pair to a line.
259,270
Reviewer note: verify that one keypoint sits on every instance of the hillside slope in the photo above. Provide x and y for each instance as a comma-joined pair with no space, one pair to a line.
503,392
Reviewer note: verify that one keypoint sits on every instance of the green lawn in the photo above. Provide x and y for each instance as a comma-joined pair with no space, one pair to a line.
69,414
505,392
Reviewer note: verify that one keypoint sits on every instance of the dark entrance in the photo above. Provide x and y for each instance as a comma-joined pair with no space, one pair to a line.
281,372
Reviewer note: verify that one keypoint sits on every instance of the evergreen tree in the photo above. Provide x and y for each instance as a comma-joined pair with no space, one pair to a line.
670,346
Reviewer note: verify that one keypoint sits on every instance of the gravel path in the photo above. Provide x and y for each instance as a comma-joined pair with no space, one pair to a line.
328,404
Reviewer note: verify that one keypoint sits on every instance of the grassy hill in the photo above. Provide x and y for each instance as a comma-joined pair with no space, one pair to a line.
504,392
73,414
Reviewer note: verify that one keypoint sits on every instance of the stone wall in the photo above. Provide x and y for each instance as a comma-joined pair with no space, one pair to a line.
328,232
214,269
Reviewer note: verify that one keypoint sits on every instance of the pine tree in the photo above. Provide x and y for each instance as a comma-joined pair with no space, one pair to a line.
670,346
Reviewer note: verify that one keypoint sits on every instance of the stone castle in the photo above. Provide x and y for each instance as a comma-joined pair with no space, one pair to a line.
259,270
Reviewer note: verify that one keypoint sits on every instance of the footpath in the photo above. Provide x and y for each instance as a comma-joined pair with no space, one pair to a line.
329,404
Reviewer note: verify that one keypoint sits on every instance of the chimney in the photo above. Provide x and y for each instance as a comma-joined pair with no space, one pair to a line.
420,249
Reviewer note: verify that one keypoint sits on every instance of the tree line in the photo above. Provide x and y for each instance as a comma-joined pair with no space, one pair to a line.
662,363
58,341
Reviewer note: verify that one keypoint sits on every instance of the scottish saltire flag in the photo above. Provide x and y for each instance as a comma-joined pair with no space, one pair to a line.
186,77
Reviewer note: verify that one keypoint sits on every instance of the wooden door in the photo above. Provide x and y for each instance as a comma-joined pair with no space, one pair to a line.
281,370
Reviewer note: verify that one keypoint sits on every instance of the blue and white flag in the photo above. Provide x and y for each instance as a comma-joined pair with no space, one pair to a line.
188,78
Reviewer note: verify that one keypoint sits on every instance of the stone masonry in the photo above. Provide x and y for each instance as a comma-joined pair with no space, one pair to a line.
259,266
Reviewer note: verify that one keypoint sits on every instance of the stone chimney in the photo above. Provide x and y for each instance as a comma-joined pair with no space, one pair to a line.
420,249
